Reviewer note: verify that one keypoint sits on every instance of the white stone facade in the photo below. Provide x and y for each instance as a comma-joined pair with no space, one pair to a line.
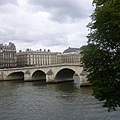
8,56
35,58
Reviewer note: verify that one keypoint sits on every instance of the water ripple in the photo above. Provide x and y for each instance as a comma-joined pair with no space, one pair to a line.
38,101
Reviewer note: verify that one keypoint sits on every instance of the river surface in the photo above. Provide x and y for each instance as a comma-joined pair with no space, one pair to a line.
40,101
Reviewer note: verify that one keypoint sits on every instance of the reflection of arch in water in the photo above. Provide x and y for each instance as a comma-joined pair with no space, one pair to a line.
65,74
15,76
39,75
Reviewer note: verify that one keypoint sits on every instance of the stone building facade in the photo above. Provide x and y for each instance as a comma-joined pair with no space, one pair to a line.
8,56
70,58
34,58
39,57
71,55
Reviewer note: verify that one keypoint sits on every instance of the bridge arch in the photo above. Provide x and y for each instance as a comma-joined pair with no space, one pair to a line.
39,75
64,74
50,73
15,76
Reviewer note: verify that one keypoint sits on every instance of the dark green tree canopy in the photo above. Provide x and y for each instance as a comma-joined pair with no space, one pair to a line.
105,25
101,57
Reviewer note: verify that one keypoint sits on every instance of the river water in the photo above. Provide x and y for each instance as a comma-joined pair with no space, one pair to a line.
40,101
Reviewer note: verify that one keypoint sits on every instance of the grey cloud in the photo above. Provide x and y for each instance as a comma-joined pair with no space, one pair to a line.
35,29
8,8
63,10
53,41
3,2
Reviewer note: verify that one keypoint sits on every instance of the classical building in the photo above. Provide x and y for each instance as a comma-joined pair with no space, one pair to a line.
70,58
7,55
71,55
39,57
9,58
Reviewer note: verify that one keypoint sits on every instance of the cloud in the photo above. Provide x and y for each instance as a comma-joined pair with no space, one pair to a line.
42,24
64,10
3,2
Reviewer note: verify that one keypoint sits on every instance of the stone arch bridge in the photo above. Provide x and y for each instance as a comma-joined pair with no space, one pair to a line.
50,73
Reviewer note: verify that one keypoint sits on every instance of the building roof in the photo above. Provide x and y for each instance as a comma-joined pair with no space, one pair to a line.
72,50
9,46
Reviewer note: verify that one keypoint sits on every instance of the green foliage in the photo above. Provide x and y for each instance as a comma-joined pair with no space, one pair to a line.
101,57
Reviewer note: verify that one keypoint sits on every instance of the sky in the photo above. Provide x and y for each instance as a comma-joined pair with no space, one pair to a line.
45,24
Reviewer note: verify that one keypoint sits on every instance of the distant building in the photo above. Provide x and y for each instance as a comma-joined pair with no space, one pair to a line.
10,59
8,56
39,57
71,55
70,58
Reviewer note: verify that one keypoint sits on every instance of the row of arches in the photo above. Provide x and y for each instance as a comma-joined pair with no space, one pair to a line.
64,74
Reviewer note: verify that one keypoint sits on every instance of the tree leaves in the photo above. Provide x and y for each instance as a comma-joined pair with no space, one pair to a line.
101,57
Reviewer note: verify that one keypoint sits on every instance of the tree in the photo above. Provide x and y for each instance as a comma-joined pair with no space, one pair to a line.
101,56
